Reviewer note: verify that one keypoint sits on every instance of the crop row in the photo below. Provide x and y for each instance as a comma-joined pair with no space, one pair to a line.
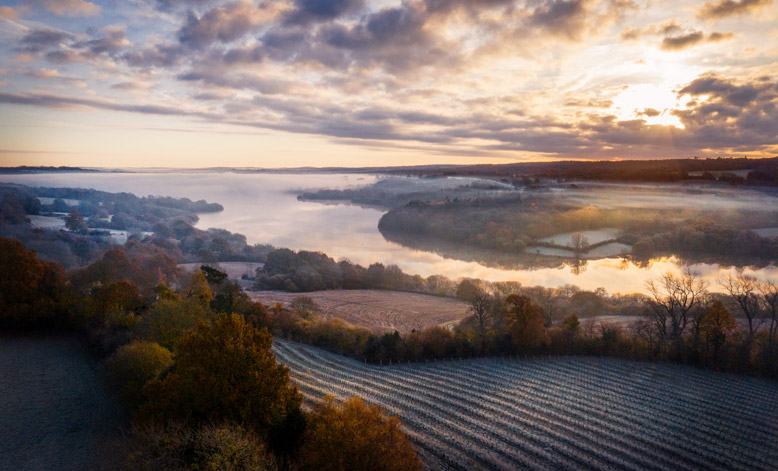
559,413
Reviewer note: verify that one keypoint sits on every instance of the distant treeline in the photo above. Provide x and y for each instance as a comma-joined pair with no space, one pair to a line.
32,169
764,171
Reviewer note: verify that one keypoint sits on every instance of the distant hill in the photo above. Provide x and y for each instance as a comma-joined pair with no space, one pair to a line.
29,169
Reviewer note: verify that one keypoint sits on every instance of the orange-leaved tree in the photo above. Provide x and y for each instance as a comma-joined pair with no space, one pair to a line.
355,436
525,322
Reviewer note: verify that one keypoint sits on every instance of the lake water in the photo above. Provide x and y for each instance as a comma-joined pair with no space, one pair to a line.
264,207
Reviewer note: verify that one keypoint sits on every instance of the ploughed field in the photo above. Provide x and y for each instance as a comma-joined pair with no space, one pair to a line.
377,310
572,413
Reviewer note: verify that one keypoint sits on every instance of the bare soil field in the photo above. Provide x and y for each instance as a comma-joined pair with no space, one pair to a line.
55,413
379,311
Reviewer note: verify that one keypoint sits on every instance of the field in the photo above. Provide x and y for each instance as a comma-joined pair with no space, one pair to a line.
54,412
377,310
559,413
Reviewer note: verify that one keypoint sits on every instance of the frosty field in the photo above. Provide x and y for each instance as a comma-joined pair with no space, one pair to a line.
559,413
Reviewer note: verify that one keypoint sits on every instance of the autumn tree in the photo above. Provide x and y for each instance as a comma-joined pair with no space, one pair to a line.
716,326
198,289
133,365
224,370
31,291
356,436
525,322
468,289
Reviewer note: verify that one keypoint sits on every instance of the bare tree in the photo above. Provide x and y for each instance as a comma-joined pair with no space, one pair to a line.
769,292
675,300
579,243
743,290
480,306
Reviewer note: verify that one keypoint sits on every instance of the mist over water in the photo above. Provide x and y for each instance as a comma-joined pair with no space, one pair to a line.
264,208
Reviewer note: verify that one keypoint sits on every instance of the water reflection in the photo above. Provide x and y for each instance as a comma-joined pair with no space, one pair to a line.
265,209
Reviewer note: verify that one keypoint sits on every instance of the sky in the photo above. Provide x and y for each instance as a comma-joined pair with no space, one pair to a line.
289,83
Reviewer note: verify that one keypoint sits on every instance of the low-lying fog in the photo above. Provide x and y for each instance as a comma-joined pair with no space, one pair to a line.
265,208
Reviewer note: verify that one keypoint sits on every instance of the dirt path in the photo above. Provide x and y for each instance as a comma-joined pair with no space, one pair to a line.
54,411
380,311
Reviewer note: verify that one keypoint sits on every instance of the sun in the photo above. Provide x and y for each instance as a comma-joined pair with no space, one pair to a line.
652,103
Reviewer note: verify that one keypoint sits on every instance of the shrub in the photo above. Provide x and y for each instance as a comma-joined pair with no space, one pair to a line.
133,365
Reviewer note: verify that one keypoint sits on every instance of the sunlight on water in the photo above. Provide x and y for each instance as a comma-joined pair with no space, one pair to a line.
264,207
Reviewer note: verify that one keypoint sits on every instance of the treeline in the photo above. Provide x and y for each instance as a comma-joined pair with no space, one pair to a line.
162,222
665,170
679,321
302,271
393,192
515,224
190,357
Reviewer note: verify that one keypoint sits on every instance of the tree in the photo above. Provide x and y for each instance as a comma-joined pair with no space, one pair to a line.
579,244
744,291
769,292
356,436
74,221
224,370
467,290
133,365
31,291
715,326
179,447
572,324
215,277
11,210
525,322
197,288
482,307
674,301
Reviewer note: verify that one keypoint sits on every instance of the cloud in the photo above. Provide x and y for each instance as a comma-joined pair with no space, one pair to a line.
725,8
725,114
306,11
38,40
650,112
674,36
224,23
61,47
67,7
112,41
8,13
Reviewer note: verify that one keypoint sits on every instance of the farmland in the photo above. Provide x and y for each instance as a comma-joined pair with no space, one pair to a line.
559,413
55,412
377,310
